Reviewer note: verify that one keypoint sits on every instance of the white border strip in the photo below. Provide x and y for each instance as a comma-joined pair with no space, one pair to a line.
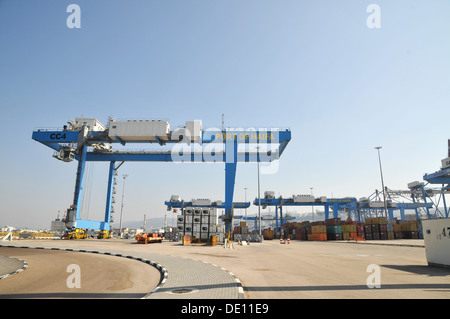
25,266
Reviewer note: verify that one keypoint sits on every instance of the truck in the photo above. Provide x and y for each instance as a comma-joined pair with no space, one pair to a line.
146,238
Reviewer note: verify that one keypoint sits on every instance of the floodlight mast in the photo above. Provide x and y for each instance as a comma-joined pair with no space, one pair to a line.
382,181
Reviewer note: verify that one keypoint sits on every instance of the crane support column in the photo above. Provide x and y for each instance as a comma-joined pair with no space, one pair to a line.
422,188
230,177
79,180
276,220
335,210
109,194
327,211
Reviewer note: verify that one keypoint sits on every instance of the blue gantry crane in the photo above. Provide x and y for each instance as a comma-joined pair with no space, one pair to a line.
87,140
176,202
335,204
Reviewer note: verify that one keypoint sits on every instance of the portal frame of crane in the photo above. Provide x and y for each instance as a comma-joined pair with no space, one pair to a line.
58,139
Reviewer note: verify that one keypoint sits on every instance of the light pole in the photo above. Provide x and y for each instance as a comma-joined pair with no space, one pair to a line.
259,200
121,209
312,207
245,188
382,181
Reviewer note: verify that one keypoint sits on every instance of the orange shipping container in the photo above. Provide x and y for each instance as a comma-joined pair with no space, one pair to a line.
319,236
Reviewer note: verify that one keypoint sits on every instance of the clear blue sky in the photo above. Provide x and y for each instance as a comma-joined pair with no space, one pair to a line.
312,66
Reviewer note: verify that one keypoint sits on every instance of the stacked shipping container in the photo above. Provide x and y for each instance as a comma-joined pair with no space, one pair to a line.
377,228
406,230
318,231
200,223
334,229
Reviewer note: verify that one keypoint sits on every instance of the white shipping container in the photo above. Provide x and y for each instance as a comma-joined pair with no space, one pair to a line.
213,219
197,211
303,198
197,220
189,219
204,236
201,202
205,219
188,212
180,220
205,211
196,228
436,233
139,130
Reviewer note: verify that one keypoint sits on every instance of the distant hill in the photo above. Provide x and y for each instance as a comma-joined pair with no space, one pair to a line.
157,222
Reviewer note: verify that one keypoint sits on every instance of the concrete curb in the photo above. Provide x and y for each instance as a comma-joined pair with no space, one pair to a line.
163,272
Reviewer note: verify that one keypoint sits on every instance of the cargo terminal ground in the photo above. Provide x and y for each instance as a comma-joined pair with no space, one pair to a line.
267,270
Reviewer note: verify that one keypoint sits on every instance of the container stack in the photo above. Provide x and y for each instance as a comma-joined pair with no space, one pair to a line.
390,228
349,231
375,228
360,230
241,229
301,232
268,234
201,224
318,231
378,228
334,229
406,230
368,232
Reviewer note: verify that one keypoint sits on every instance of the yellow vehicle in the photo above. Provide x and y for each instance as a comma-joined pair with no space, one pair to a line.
103,234
76,233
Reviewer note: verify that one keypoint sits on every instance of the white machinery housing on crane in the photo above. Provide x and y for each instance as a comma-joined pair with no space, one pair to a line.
303,198
139,130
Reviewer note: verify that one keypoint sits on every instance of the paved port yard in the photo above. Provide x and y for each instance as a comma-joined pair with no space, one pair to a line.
270,270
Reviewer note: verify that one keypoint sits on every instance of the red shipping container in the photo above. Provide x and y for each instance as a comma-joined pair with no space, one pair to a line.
399,235
383,228
360,229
